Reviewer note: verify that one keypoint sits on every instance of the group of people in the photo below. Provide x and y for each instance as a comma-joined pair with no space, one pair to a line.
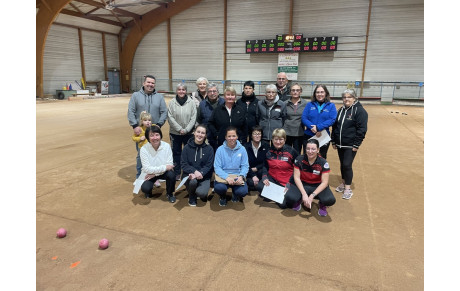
246,143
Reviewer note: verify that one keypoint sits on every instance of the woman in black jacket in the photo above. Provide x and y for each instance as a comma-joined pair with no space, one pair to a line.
249,101
197,163
348,133
228,114
257,153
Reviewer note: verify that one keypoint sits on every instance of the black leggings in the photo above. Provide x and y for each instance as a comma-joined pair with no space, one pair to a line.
170,178
293,195
346,157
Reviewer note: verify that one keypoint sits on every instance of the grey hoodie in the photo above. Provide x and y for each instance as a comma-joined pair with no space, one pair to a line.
153,103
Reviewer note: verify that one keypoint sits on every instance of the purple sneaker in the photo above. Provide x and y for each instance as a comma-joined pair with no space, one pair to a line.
322,210
297,206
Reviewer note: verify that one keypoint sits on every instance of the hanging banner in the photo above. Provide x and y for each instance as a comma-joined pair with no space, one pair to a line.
289,63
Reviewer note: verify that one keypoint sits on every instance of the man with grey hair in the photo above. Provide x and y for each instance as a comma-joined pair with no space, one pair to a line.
283,87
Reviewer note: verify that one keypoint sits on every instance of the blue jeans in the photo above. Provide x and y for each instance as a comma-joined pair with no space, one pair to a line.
238,190
138,162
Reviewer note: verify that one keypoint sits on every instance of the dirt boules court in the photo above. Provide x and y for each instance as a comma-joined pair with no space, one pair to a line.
85,170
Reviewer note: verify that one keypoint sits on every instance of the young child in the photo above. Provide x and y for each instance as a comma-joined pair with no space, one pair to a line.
145,121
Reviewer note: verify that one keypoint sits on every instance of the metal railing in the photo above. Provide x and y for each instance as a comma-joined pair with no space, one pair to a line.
374,90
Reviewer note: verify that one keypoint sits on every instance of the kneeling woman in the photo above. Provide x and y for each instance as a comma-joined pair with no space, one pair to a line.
231,166
310,181
196,162
157,163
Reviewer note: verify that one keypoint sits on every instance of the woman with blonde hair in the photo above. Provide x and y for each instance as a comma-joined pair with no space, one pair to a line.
348,133
228,114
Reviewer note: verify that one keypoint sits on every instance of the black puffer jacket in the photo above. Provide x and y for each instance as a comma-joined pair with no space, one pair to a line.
350,126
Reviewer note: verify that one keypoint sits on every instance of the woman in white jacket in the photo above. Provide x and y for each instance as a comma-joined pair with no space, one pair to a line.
181,118
157,163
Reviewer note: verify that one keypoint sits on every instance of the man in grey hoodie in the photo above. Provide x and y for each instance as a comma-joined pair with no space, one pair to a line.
147,99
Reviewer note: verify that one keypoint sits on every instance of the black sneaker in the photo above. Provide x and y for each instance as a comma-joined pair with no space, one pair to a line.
171,198
222,202
235,198
192,203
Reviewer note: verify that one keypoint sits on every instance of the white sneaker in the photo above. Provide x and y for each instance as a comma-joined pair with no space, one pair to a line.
340,188
347,193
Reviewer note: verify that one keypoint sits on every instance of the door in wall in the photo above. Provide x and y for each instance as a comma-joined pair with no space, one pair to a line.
114,82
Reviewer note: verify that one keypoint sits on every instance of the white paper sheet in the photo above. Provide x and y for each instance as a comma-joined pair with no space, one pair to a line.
273,192
182,182
137,185
323,139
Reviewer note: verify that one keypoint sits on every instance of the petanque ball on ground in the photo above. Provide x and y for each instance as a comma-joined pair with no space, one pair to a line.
104,243
62,232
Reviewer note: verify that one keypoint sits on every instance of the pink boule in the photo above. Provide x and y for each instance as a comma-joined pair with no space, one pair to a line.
104,243
62,232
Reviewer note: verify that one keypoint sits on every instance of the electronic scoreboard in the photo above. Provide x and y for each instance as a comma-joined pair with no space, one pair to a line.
292,43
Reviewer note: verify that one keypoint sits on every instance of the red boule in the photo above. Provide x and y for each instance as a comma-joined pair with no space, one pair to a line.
62,232
104,243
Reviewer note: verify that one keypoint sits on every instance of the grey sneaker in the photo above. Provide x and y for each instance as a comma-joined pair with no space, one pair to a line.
347,193
340,188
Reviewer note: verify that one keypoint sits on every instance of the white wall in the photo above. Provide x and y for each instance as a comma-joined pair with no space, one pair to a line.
62,63
395,49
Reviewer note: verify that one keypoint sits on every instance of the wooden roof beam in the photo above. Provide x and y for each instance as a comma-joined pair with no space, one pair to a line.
95,18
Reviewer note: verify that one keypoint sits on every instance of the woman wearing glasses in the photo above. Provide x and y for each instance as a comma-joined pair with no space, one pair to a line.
257,152
319,114
348,133
293,124
271,112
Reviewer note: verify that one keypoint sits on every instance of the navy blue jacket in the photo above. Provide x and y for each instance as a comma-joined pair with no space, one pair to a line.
197,157
205,109
256,162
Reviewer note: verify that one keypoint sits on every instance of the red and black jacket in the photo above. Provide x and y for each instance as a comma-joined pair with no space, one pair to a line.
279,164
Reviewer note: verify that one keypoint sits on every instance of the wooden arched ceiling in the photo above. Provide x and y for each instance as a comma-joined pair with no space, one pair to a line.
48,10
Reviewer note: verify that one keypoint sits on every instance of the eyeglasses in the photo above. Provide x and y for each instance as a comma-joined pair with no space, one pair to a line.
256,134
296,90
